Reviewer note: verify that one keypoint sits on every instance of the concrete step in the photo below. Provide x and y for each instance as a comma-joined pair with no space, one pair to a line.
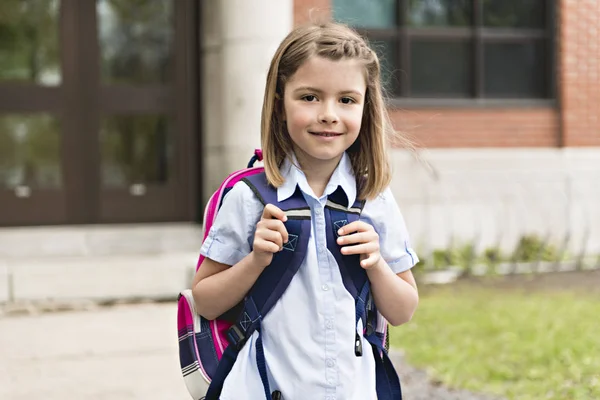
98,240
97,263
102,278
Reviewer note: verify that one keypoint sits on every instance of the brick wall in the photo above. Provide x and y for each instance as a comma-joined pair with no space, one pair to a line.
311,10
495,127
579,44
579,94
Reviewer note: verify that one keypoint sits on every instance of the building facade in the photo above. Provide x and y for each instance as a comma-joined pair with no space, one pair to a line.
118,119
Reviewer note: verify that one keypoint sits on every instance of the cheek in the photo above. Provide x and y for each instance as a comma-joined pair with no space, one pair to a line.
299,118
355,121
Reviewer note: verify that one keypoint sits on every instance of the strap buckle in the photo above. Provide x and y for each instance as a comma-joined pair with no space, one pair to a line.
236,337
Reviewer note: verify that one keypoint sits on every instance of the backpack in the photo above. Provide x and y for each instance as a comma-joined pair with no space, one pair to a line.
208,349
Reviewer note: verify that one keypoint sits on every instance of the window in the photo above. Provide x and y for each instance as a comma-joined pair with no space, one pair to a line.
459,49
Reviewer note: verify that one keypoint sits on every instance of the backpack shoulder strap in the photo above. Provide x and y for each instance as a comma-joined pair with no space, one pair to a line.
337,215
270,285
357,283
274,281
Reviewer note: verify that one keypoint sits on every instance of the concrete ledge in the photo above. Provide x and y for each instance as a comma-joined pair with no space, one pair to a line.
98,240
99,278
4,283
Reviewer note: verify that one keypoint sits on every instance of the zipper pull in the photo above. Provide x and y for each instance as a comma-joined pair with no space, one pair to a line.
276,395
357,345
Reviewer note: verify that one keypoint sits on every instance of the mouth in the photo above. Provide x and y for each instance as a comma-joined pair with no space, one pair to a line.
326,134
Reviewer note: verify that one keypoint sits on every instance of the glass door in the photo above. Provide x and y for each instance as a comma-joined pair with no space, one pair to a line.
146,114
98,111
32,167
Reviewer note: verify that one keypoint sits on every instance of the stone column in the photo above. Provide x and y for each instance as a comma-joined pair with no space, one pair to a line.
239,37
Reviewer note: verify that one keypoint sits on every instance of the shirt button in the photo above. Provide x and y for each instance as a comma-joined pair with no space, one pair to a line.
318,211
325,288
331,381
330,362
329,324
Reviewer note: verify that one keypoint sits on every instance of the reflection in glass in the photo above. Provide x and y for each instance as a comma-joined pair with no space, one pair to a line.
440,68
136,38
423,13
366,13
29,41
135,150
29,151
386,51
514,14
514,70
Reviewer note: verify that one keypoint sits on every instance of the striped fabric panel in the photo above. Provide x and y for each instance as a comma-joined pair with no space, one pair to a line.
196,384
352,210
298,213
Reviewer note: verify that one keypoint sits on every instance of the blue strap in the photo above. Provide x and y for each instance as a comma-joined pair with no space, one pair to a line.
248,322
225,365
386,377
261,363
361,303
353,276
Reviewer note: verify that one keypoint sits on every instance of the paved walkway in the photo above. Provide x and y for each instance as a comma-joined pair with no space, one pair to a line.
116,353
126,352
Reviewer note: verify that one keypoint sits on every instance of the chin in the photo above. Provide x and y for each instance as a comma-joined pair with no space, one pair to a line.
327,156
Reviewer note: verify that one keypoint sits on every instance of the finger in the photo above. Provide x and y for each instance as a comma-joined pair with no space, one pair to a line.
356,226
365,248
269,235
276,225
370,261
271,211
266,246
360,237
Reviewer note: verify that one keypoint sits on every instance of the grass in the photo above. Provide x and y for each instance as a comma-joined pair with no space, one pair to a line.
519,345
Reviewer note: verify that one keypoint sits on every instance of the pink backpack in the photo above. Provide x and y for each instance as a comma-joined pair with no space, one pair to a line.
196,373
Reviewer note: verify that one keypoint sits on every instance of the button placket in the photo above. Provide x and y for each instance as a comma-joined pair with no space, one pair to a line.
328,297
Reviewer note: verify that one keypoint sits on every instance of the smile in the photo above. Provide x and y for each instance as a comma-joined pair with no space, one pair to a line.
326,134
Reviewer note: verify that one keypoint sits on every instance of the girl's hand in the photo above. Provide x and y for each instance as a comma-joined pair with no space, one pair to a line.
364,241
270,235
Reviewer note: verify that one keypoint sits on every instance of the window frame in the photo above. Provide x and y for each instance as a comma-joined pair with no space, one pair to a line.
478,35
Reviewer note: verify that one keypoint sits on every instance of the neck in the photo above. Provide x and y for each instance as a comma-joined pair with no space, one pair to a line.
318,173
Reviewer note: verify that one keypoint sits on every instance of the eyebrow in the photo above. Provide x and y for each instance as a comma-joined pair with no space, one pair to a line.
313,89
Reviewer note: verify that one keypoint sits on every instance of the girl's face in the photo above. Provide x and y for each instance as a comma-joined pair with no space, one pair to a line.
323,108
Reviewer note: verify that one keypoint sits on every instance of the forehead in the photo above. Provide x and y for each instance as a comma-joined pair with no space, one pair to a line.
330,75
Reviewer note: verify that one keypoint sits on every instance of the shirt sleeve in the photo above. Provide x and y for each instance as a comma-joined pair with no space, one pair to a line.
384,215
230,237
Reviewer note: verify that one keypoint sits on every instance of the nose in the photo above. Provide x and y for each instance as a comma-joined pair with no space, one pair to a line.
327,113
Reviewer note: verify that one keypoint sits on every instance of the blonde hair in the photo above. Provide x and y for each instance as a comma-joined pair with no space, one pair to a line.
333,41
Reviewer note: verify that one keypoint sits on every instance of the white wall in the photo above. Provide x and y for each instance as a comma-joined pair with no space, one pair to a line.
492,197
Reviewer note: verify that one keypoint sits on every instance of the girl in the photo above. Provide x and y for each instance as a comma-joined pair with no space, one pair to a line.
324,127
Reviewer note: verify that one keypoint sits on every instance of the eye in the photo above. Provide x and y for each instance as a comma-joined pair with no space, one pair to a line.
347,100
309,98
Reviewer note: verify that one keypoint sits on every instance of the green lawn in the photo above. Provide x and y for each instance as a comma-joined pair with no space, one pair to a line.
520,345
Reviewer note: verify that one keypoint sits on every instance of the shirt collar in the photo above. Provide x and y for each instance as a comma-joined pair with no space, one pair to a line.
342,176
